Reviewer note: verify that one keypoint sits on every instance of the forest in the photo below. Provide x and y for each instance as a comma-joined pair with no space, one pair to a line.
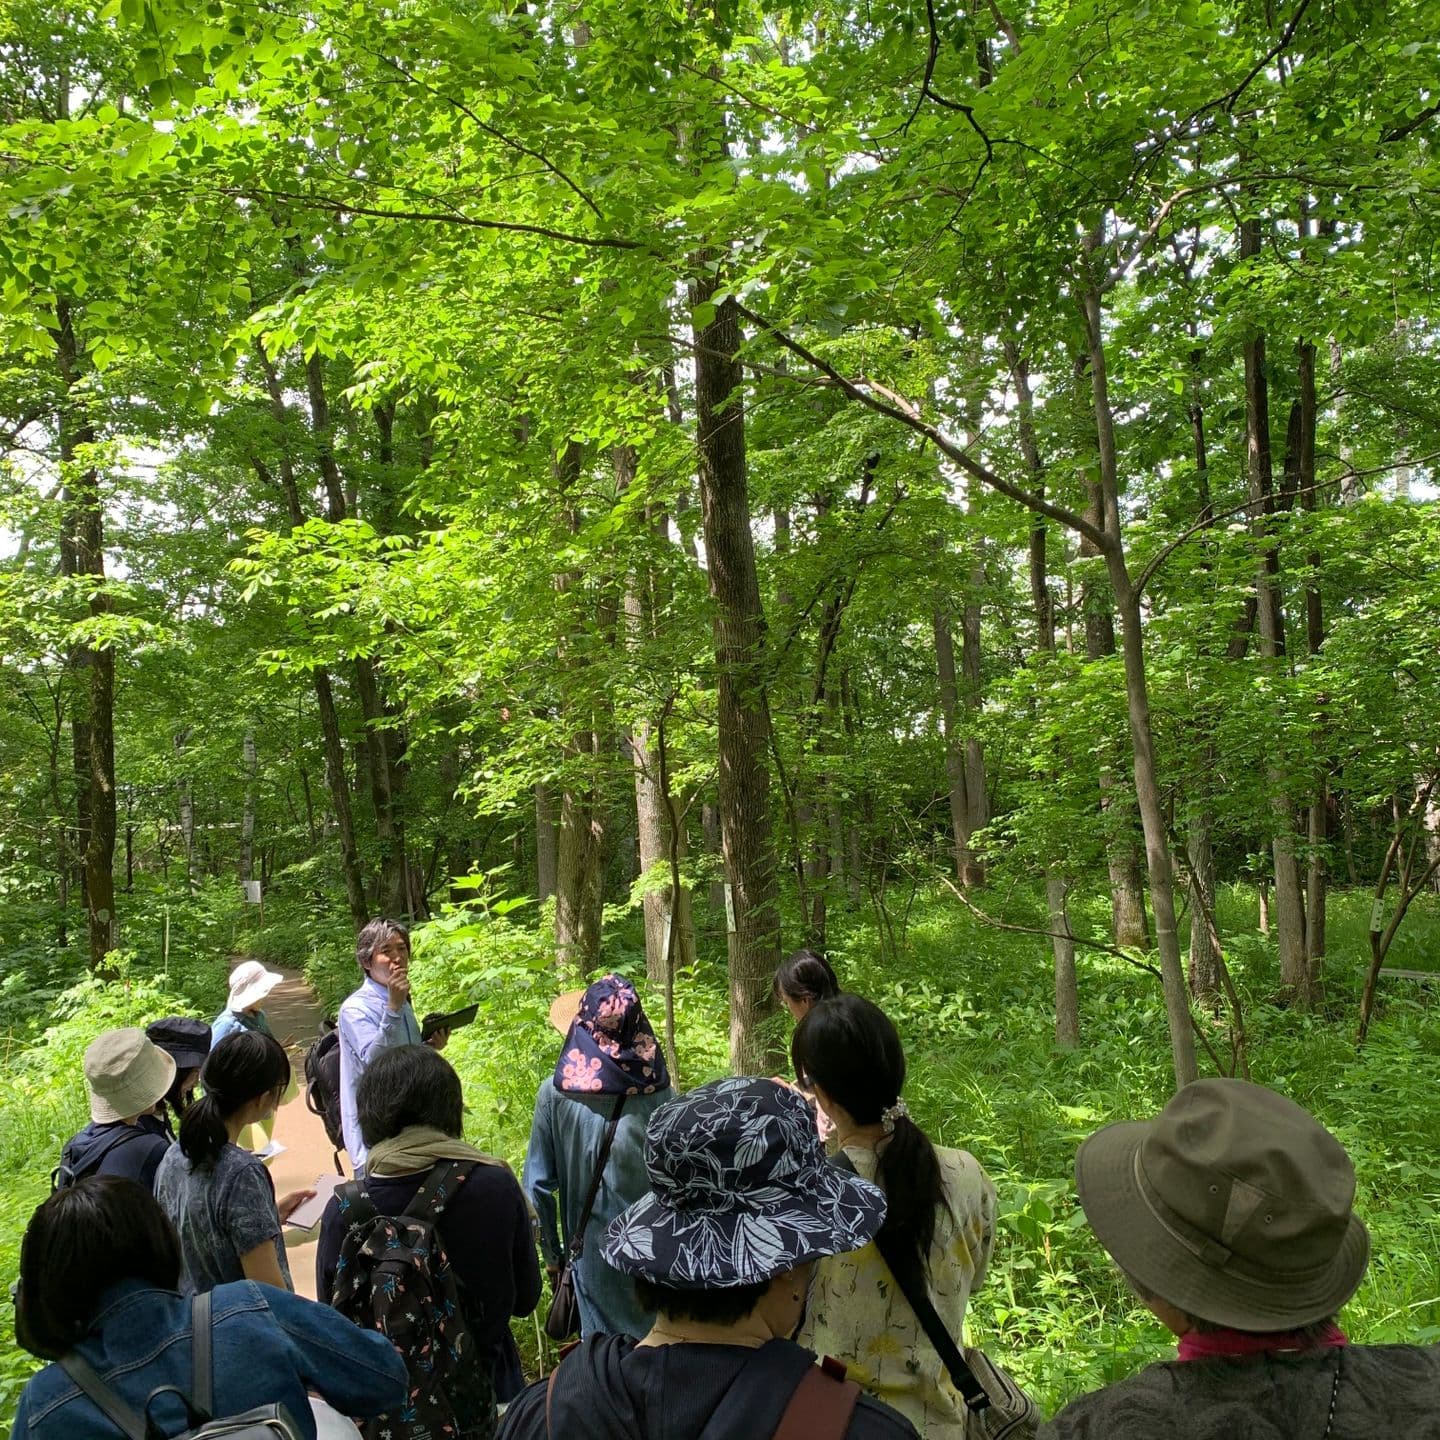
624,485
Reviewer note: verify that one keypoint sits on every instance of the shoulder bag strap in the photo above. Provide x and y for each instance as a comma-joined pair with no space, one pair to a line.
577,1240
116,1410
822,1405
202,1362
911,1280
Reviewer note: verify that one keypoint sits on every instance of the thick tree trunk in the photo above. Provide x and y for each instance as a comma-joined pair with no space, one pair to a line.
546,842
579,876
1295,975
744,726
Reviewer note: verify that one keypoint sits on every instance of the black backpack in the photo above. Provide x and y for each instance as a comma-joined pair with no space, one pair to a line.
393,1276
71,1168
322,1085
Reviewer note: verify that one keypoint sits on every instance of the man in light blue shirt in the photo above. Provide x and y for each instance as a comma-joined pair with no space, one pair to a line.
378,1016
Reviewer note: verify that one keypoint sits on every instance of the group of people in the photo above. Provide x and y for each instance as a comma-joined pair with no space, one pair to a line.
713,1247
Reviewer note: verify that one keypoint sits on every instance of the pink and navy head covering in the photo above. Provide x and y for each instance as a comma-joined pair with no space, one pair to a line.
610,1048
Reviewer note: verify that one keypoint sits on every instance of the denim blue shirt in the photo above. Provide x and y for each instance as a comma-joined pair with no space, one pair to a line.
232,1022
269,1347
565,1140
367,1024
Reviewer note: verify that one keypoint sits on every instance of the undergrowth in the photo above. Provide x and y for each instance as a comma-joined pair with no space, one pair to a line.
975,1008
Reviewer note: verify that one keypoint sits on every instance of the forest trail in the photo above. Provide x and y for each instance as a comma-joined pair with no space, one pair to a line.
295,1016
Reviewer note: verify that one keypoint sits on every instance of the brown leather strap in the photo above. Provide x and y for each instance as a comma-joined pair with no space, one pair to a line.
821,1407
550,1400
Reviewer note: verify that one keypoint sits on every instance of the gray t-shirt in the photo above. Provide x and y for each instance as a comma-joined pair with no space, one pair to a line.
222,1212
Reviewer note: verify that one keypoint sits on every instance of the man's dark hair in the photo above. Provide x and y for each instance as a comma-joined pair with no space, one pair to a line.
82,1240
377,932
708,1307
410,1085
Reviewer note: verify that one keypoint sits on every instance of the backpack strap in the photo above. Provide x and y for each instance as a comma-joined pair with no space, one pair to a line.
433,1196
577,1240
355,1203
121,1138
202,1354
753,1403
911,1280
822,1405
120,1414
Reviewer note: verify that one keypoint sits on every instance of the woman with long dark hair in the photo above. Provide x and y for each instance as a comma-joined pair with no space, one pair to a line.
218,1196
803,980
940,1219
99,1272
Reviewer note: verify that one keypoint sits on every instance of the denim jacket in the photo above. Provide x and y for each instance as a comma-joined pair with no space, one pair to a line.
269,1347
565,1140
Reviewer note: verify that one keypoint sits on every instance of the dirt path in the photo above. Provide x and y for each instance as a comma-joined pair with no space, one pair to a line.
295,1016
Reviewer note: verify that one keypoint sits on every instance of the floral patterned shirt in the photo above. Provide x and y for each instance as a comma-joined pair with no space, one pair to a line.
858,1314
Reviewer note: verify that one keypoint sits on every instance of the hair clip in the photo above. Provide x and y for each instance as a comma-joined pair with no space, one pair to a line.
891,1113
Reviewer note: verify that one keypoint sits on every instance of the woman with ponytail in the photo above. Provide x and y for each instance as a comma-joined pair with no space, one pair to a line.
218,1196
940,1219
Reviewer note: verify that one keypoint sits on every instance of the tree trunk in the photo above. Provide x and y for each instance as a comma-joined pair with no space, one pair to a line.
247,819
579,877
1289,902
955,770
1137,696
339,785
187,815
1205,957
1129,924
382,746
1062,942
977,794
744,725
93,669
546,841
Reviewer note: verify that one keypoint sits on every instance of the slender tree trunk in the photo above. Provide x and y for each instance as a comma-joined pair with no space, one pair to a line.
247,819
1062,942
977,794
187,814
1205,957
744,725
546,842
339,786
93,668
955,771
1137,696
1289,901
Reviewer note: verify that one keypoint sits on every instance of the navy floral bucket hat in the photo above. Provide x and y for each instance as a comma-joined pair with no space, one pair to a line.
740,1192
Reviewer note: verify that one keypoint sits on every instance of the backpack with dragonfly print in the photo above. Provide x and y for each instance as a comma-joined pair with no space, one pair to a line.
393,1276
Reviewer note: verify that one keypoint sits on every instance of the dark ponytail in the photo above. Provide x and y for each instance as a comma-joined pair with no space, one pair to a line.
805,976
241,1068
849,1048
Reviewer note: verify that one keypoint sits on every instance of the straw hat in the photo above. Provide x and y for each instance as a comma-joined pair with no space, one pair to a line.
1233,1204
564,1009
127,1075
250,983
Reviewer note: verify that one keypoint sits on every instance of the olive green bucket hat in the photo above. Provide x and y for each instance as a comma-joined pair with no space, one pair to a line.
1233,1204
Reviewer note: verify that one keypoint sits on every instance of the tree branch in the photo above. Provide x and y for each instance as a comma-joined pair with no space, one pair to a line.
885,401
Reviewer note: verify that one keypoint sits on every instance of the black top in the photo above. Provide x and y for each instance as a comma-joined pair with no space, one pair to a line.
487,1234
133,1152
608,1388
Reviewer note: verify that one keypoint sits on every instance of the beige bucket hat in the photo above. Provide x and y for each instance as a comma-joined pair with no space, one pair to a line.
250,983
564,1008
127,1075
1233,1204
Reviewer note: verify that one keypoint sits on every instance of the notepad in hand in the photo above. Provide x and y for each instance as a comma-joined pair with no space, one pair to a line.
306,1215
